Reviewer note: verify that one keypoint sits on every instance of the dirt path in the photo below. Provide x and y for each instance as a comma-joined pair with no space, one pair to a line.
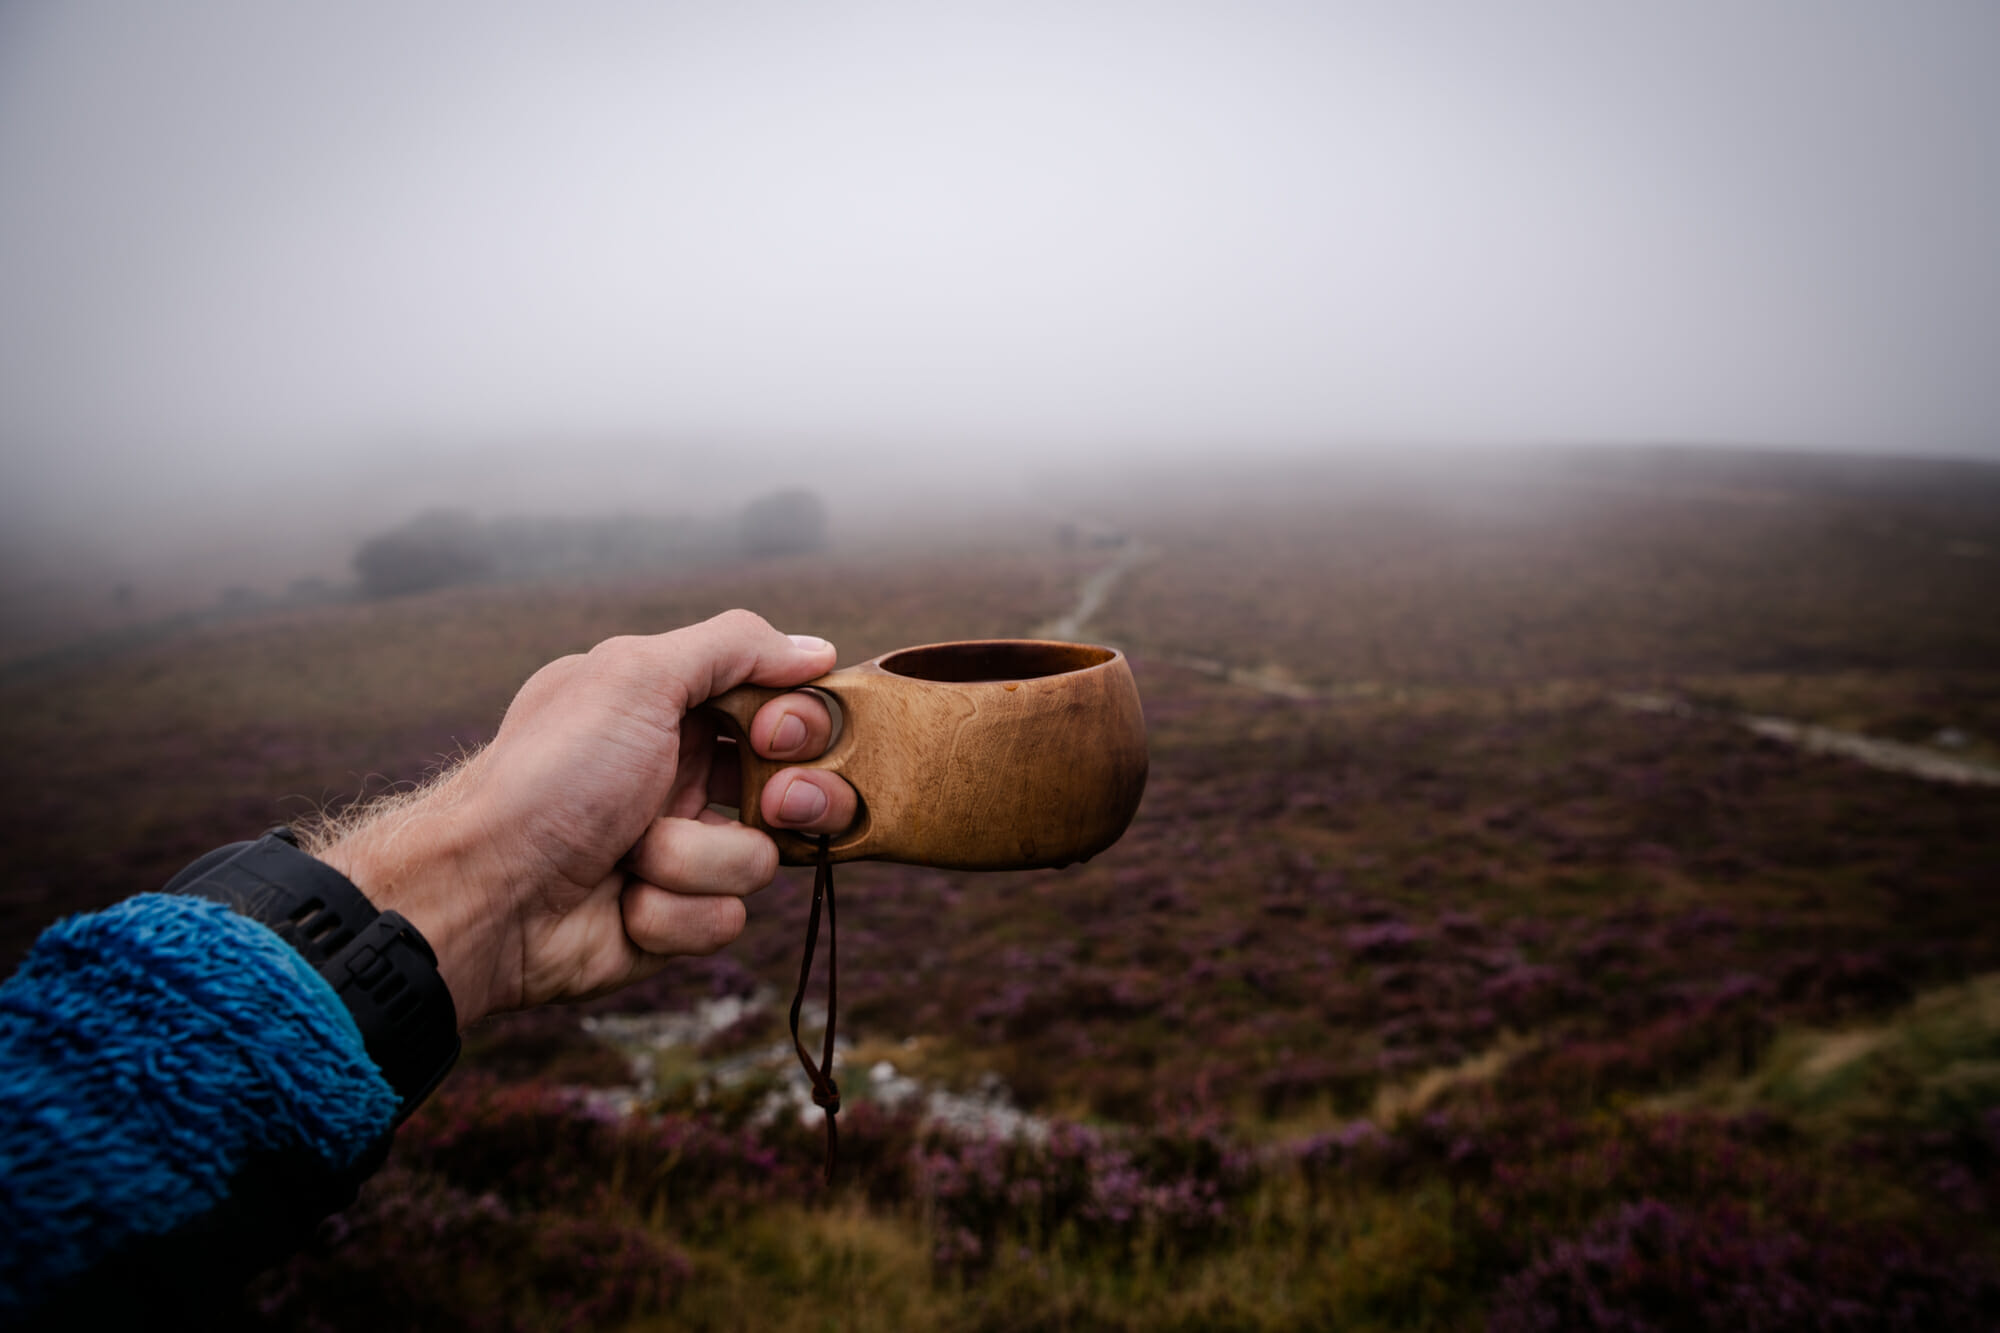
1074,625
1915,761
1091,596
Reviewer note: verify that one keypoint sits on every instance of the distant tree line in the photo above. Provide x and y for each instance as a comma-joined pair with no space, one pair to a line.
443,547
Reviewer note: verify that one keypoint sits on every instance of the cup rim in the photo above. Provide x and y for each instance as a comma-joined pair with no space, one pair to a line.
982,661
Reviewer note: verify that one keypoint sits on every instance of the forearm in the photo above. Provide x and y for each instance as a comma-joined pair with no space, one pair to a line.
154,1053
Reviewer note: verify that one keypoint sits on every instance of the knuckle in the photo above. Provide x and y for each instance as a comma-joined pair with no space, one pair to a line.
549,680
617,663
644,919
722,923
763,861
666,857
554,671
741,620
658,927
613,651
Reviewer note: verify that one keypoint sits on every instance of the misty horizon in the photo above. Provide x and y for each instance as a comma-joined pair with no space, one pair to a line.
276,279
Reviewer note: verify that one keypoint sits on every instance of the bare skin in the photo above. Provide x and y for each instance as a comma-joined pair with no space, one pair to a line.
576,853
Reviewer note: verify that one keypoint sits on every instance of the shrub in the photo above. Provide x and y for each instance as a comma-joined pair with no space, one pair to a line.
418,1253
437,549
787,522
1114,1195
1650,1265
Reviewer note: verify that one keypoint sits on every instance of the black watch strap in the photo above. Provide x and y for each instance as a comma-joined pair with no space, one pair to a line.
379,964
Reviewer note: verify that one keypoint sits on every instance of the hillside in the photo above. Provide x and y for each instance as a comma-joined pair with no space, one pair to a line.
1435,983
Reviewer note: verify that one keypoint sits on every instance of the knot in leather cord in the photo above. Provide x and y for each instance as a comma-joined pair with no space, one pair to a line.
826,1093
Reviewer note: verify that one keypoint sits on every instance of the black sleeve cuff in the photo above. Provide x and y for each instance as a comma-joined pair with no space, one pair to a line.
379,964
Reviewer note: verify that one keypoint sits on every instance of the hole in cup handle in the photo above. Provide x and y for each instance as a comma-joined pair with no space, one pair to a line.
734,711
835,713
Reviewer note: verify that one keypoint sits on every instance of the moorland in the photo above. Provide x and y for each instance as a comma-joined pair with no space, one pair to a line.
1434,986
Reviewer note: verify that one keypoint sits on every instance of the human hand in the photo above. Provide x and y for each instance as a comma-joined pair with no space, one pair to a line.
576,853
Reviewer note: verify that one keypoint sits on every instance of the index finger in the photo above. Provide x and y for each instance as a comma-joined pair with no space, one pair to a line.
792,726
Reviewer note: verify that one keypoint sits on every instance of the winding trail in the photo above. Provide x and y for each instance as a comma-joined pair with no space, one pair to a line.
1916,761
1073,625
1090,597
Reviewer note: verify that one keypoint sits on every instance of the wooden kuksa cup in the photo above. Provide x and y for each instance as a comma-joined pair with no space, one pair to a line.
993,754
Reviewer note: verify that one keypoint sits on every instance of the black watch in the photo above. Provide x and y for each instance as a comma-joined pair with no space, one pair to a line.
379,963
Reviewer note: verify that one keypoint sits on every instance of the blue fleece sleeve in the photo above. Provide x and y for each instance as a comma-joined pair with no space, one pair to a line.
146,1052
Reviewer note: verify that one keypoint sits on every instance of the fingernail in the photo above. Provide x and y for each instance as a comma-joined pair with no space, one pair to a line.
789,734
807,643
802,803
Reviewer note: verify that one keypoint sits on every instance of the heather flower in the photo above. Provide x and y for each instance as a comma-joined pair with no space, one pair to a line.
1386,941
1651,1265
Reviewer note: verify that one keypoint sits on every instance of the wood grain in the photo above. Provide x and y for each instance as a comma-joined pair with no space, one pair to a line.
994,754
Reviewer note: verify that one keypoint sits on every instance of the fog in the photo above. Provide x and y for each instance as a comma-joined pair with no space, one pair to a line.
272,275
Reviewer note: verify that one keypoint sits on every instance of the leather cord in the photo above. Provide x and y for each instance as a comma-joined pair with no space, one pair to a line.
826,1093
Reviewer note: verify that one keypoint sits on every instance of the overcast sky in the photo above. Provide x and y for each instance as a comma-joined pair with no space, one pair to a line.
426,242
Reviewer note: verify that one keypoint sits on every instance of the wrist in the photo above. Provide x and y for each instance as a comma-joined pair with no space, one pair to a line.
376,961
417,857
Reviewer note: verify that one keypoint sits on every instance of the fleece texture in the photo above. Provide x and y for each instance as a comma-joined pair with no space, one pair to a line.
146,1051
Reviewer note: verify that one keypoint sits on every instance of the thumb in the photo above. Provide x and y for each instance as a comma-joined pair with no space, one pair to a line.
701,661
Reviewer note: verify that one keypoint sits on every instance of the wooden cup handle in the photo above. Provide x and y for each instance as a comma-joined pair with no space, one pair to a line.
734,709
